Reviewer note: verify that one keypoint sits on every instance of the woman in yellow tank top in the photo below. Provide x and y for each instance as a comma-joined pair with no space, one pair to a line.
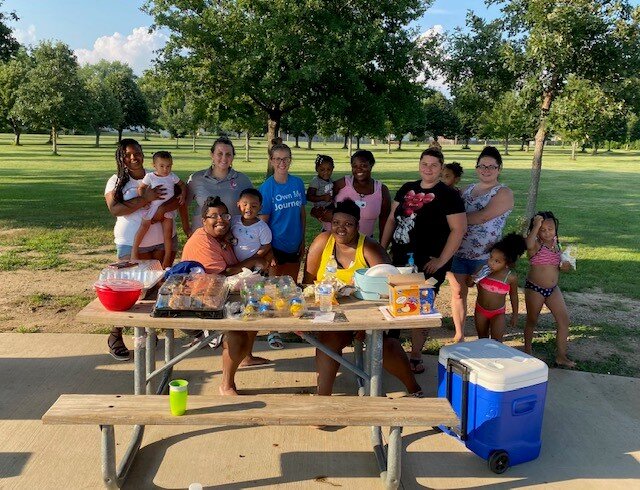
352,251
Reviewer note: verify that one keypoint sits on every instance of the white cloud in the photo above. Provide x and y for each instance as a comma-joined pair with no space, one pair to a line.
136,49
438,82
27,36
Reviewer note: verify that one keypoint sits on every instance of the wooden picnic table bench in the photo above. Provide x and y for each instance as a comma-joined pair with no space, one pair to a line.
280,410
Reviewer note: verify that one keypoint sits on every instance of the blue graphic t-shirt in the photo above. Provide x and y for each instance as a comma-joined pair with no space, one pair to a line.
282,202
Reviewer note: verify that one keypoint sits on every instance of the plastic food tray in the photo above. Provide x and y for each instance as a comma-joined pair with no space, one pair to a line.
170,313
148,272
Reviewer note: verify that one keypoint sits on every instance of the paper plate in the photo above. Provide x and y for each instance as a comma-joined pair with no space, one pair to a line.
382,270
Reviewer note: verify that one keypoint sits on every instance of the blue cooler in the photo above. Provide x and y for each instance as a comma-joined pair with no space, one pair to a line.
498,392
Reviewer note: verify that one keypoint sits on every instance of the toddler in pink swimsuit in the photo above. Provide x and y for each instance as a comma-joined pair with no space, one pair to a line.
495,280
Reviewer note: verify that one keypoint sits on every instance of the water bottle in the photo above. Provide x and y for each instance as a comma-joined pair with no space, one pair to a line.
411,263
330,270
324,291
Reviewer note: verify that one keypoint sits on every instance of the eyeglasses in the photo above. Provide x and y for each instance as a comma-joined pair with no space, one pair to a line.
487,167
285,160
215,216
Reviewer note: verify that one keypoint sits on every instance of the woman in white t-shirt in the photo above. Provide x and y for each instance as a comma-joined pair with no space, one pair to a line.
123,201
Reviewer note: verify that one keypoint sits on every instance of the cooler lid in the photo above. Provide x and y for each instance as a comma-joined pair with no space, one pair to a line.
495,366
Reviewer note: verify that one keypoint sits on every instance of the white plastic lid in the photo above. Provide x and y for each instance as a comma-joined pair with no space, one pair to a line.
382,270
119,284
495,366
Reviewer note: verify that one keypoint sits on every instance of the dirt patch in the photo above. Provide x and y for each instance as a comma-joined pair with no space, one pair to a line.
48,301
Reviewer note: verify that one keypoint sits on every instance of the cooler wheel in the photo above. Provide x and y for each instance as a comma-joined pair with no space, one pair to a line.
499,462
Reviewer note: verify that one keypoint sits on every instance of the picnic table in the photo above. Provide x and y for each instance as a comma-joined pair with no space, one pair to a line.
367,366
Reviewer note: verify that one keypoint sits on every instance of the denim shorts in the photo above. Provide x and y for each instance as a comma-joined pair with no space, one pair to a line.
466,266
124,251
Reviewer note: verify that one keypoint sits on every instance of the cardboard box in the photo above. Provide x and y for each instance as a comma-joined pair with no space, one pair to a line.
410,294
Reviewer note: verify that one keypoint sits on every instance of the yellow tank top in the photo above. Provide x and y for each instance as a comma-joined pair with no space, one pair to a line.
343,275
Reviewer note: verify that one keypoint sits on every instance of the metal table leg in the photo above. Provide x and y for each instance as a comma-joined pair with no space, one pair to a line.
389,461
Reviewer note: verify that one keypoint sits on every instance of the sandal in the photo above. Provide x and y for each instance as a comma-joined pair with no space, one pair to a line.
275,341
417,366
117,349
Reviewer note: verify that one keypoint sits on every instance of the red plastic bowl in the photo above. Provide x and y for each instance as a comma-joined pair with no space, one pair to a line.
118,294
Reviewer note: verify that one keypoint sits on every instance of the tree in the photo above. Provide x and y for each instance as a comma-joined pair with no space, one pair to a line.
242,117
439,118
103,109
153,89
52,94
550,41
12,76
135,111
8,45
301,121
506,119
291,53
472,61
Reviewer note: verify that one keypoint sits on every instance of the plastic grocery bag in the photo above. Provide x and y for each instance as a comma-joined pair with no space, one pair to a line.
569,254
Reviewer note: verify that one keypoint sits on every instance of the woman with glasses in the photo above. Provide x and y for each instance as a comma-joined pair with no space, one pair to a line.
427,220
488,204
208,246
283,201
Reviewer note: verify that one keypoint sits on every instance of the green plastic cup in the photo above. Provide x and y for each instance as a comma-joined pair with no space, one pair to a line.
178,391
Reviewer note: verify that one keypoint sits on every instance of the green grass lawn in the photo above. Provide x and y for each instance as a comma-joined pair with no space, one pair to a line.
54,205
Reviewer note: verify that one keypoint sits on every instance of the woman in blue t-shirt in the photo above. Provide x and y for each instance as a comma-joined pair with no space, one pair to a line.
283,209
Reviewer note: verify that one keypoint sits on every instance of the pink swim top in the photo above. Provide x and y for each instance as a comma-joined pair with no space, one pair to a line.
545,256
494,285
369,204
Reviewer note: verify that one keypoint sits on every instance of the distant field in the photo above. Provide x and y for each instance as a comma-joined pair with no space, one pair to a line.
50,205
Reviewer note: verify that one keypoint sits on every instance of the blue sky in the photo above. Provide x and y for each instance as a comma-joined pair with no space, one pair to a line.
114,29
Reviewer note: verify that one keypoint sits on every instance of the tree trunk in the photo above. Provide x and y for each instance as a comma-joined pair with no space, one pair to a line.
120,134
54,139
536,163
595,148
373,142
16,138
350,145
455,140
193,147
309,141
609,146
247,137
297,141
345,146
466,144
177,142
506,145
400,144
97,138
388,144
146,134
486,142
522,144
358,142
273,128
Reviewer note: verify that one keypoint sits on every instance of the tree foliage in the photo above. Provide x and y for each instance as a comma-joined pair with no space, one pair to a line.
289,53
550,41
12,76
52,94
102,109
9,46
122,82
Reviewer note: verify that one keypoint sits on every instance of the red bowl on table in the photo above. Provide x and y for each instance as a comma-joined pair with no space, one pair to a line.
118,294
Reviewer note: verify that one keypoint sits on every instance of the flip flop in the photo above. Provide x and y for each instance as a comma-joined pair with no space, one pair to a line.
275,341
417,366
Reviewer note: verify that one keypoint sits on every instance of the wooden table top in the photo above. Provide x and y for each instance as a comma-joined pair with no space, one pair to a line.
361,315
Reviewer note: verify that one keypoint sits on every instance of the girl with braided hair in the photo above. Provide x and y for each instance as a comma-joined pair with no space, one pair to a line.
123,202
320,191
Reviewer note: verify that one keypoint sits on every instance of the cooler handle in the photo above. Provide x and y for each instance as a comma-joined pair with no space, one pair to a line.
454,366
524,405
